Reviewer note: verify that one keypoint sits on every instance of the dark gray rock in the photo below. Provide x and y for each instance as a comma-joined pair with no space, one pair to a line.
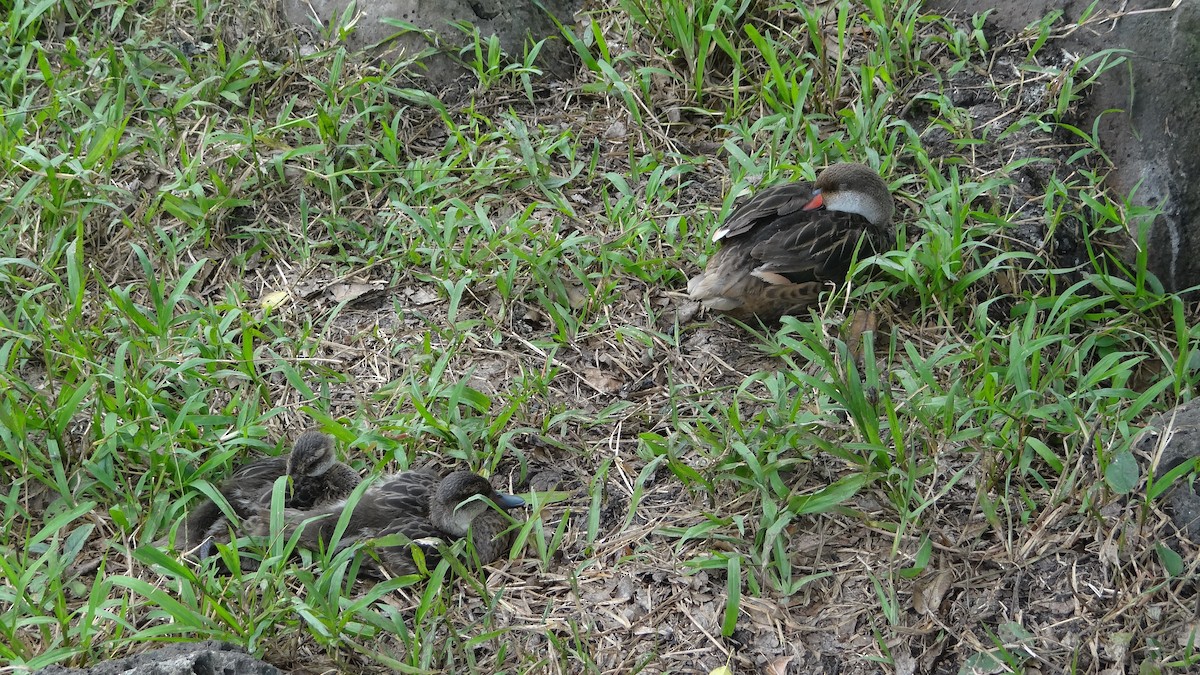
1153,142
209,657
512,22
1178,434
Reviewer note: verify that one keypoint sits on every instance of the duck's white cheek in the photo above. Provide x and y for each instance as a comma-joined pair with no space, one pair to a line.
465,515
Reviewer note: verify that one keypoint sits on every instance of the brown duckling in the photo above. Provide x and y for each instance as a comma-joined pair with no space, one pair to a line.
316,478
418,504
786,243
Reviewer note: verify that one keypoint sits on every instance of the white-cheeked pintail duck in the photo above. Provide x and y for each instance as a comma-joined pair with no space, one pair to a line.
788,242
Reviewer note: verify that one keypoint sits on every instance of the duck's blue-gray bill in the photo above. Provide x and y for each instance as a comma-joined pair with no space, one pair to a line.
508,501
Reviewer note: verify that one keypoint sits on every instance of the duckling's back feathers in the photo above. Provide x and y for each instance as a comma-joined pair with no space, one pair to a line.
334,484
259,473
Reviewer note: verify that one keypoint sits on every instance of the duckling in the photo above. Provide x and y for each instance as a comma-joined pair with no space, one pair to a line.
417,504
316,478
787,242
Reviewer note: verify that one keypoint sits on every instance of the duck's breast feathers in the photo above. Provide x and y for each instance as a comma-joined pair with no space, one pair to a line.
764,207
813,246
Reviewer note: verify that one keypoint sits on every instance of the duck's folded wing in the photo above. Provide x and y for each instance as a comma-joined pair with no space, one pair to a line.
766,206
816,249
412,527
407,493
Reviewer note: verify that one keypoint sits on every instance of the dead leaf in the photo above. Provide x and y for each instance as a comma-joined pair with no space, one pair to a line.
273,299
422,296
601,381
683,315
723,670
349,292
615,130
778,666
927,597
1189,635
533,316
862,321
576,298
904,664
307,290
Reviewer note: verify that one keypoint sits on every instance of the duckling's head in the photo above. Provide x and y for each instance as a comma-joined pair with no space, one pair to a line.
312,455
463,496
853,188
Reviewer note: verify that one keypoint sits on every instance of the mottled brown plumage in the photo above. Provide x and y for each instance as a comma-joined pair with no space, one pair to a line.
788,242
417,504
316,478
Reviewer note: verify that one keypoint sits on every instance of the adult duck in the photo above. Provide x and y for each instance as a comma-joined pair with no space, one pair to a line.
418,504
784,245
